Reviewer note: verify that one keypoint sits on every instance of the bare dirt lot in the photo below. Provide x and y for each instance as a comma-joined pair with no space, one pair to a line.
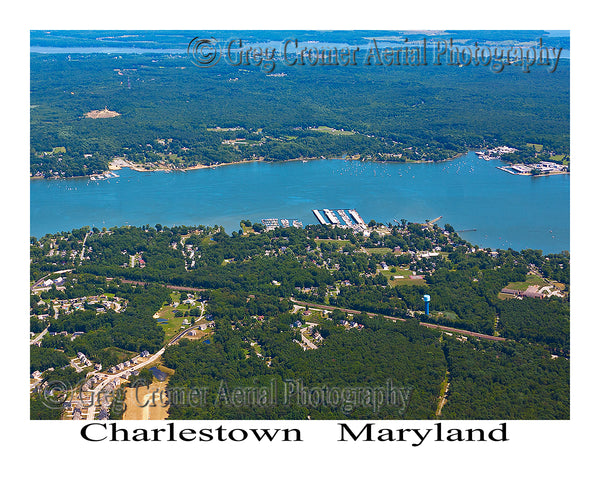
146,403
106,113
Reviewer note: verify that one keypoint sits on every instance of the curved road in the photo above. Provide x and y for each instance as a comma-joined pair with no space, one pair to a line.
96,391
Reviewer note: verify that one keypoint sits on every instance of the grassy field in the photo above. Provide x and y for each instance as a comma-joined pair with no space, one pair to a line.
173,325
247,230
400,272
505,296
206,241
537,146
331,131
530,280
316,316
380,250
200,335
448,315
122,354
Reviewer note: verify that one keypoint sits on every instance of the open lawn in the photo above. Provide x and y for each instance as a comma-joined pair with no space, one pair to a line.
447,315
121,354
332,131
505,296
173,325
537,146
206,241
316,316
200,335
530,280
379,250
400,272
247,230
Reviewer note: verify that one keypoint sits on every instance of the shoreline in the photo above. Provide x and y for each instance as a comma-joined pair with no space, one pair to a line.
118,163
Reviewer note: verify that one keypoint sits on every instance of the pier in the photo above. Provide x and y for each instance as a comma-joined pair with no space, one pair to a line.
345,217
356,217
331,216
320,217
270,223
431,222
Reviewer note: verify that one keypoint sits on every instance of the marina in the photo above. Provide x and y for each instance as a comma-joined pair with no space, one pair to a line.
272,223
541,168
333,220
104,176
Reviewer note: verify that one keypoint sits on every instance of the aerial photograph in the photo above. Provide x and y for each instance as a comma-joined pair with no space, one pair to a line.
299,225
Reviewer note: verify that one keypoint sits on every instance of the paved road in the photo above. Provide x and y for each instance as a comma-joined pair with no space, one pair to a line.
308,342
83,246
96,392
108,378
39,337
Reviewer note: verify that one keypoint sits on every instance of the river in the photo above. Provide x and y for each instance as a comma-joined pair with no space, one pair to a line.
468,192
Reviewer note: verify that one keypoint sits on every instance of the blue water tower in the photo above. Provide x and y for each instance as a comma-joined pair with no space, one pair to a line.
427,298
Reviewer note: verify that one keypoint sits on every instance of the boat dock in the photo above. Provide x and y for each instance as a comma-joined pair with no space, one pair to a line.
104,176
356,217
320,217
429,223
331,216
270,223
345,217
273,223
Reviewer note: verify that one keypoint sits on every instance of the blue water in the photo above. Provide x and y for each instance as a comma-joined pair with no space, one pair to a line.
507,210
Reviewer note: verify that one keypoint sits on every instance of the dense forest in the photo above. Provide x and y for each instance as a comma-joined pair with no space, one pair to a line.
258,284
174,114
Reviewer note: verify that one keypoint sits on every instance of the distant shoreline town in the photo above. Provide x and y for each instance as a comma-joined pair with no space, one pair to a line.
533,169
